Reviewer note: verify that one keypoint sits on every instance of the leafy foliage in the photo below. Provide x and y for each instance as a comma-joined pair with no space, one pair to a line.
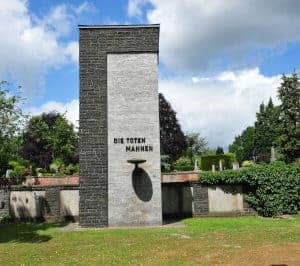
243,145
11,121
48,137
265,131
272,189
183,164
196,145
219,151
165,163
172,139
288,141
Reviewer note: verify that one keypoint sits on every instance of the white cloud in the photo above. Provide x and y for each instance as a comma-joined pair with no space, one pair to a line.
84,7
134,8
197,34
221,106
70,109
30,46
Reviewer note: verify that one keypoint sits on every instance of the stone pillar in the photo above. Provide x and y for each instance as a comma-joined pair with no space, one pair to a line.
51,204
119,122
201,204
4,202
220,165
213,168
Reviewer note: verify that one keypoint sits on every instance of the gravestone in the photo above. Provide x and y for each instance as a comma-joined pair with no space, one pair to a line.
119,126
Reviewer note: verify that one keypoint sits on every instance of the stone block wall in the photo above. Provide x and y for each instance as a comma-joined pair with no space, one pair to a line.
52,203
201,204
4,202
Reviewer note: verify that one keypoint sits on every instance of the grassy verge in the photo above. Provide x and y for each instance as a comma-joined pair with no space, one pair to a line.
203,241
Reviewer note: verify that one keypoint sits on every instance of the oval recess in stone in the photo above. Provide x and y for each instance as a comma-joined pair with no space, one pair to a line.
142,184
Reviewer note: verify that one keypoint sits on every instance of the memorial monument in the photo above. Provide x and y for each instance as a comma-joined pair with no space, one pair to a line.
119,126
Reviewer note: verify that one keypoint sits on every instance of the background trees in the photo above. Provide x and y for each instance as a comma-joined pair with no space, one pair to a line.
288,142
172,139
265,131
277,126
11,121
196,145
243,145
48,137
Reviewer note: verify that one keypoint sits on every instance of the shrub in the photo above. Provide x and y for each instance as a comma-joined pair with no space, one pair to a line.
19,168
271,189
247,163
183,164
208,160
165,163
5,219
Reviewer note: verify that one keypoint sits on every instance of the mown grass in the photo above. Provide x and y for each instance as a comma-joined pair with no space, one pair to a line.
202,241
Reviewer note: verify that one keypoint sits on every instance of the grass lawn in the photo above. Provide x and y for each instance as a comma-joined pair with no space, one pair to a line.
204,241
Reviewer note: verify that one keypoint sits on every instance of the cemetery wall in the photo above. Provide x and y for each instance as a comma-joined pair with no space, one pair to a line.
51,203
192,199
182,199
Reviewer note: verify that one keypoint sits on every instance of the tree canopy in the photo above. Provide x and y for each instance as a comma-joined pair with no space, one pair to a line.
172,139
11,121
265,131
196,144
47,137
243,145
288,142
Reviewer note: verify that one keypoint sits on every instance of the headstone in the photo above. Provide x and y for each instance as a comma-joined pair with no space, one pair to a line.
213,168
119,126
273,156
235,165
220,165
7,173
196,169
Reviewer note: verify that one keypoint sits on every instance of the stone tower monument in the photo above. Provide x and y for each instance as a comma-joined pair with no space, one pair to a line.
119,126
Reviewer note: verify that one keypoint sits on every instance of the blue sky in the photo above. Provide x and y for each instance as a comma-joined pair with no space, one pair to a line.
218,59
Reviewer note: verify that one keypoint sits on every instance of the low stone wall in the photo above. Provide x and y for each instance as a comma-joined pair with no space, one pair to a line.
50,203
192,199
179,199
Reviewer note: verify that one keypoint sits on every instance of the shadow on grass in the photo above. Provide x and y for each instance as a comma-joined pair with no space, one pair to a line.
26,232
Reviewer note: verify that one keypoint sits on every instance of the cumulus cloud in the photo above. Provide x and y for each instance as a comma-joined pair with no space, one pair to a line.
220,106
134,8
30,46
70,109
197,34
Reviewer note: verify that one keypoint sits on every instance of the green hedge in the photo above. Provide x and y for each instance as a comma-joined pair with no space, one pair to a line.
272,189
208,160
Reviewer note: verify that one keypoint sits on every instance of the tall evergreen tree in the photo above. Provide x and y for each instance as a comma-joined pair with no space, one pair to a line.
289,139
243,145
172,139
265,131
219,150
